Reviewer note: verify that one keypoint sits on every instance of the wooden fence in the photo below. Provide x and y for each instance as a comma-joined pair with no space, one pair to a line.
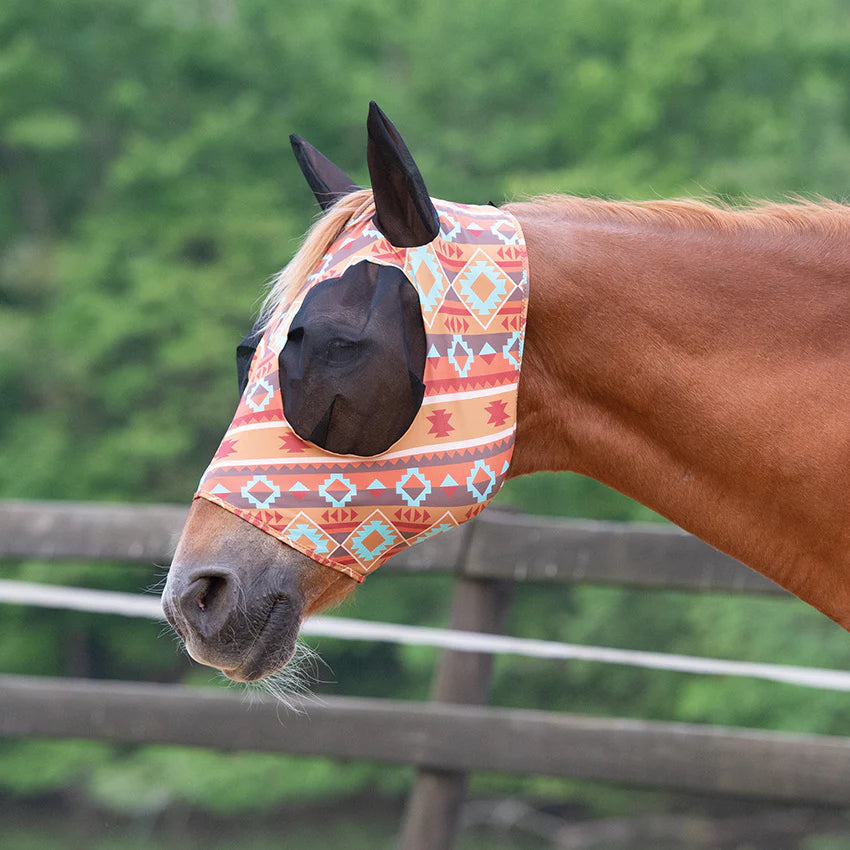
456,732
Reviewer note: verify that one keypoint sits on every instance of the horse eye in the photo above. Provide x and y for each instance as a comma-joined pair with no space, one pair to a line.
340,351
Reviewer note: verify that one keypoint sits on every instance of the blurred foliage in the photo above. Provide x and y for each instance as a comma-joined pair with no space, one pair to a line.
147,193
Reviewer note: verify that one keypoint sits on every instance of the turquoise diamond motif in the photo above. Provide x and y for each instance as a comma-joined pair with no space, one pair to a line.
428,275
319,541
337,490
434,530
256,399
513,356
414,487
480,481
459,342
449,233
372,540
269,492
511,237
482,287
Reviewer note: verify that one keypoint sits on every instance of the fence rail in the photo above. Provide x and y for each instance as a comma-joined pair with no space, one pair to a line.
445,738
485,640
497,545
752,763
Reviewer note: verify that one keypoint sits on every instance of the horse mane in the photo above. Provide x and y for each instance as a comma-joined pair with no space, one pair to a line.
822,216
315,245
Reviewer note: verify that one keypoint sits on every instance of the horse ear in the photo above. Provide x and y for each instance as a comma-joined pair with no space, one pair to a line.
328,182
404,211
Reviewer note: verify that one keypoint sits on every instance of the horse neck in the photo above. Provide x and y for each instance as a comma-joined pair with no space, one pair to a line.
704,372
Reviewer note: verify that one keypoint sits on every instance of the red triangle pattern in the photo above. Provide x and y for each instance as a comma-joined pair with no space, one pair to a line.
436,387
457,325
412,515
338,515
512,323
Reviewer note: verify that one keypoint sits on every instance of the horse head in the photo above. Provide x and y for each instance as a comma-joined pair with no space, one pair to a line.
378,407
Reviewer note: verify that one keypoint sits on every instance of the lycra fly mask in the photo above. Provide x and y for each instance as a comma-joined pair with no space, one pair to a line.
379,408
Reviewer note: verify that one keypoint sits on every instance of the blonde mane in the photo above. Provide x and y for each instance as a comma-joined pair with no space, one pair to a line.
316,243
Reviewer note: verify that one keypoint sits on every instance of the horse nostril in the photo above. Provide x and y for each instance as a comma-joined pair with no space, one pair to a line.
210,590
206,600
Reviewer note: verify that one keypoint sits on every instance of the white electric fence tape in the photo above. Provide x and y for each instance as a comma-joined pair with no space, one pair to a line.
133,605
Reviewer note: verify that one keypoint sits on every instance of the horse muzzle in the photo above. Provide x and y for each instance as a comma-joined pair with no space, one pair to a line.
236,595
246,629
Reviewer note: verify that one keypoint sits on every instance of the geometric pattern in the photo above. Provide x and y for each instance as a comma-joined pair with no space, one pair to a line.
483,288
424,269
259,397
353,513
303,530
440,423
508,235
512,349
413,487
260,492
372,538
498,414
446,523
337,490
481,481
460,355
449,228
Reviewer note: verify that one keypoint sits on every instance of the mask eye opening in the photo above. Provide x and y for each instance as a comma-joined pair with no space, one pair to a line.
351,373
245,353
339,352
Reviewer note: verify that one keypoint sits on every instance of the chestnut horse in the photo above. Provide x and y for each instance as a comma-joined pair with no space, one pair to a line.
693,357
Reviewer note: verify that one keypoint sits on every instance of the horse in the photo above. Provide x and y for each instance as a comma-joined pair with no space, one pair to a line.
693,356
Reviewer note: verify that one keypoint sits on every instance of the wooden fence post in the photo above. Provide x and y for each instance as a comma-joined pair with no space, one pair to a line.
433,809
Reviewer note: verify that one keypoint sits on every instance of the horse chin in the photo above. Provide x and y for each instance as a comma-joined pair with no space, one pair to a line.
237,596
272,650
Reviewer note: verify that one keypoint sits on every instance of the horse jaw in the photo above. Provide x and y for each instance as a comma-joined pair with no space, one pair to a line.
237,596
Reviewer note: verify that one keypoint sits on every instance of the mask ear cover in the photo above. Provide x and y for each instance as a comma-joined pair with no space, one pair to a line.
352,368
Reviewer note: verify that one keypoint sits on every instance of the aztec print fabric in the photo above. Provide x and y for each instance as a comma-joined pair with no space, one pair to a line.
353,513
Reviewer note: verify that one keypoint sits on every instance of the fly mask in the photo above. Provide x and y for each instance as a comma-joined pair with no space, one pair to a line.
379,407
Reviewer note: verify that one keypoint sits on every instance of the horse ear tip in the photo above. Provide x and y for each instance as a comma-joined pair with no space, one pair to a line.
295,141
376,114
